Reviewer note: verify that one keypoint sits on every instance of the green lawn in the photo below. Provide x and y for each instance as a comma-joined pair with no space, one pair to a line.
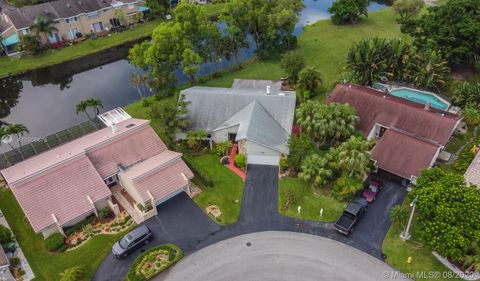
12,66
311,203
47,266
226,191
398,251
324,46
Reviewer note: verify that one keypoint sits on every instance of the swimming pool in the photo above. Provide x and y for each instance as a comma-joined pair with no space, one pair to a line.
421,97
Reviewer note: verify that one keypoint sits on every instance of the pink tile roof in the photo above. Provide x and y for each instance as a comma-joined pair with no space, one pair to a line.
150,165
126,151
403,155
165,181
62,192
64,153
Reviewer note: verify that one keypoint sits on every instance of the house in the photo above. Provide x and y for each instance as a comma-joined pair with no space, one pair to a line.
410,136
256,114
73,19
472,175
62,186
5,274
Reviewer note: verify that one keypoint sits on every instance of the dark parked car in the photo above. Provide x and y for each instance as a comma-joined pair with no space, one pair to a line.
351,215
132,241
372,189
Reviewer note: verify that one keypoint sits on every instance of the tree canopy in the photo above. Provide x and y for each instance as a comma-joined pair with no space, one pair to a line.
448,212
270,23
348,11
327,123
452,28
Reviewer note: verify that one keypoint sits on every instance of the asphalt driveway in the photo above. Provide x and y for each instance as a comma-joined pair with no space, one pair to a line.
179,221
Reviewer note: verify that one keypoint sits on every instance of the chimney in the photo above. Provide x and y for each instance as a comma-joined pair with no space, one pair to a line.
427,106
114,128
268,90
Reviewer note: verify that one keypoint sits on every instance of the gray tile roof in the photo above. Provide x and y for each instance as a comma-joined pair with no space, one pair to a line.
266,119
257,84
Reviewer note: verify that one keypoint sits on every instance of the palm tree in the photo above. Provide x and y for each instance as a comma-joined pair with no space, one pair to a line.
430,70
18,130
140,81
472,259
84,105
315,168
399,215
43,25
354,156
367,60
72,274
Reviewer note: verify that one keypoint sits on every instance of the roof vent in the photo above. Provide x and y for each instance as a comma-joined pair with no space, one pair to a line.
130,125
114,128
68,5
384,96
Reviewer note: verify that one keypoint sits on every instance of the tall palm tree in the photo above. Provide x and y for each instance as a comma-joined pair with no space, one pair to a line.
18,130
84,105
43,25
140,82
72,274
430,69
354,156
367,60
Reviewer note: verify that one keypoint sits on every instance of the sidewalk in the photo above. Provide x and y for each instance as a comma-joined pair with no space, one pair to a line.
19,253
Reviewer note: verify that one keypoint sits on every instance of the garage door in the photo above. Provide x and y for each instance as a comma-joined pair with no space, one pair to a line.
169,196
263,159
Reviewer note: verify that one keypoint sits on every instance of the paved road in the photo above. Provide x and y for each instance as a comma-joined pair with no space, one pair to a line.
279,256
181,222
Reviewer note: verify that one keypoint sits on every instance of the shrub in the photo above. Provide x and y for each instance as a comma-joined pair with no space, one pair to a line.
292,63
240,161
348,11
29,44
72,229
5,235
54,242
174,255
200,175
72,274
283,164
345,187
105,213
464,160
15,261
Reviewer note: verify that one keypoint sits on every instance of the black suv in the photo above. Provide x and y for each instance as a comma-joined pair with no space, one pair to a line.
132,241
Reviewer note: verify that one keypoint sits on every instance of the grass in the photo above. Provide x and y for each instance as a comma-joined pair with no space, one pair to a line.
12,66
227,187
311,203
226,191
398,252
47,266
324,46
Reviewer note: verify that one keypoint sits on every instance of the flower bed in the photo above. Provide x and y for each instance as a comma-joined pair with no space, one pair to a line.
99,226
154,261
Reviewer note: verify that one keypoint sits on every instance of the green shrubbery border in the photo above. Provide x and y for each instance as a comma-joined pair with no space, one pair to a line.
131,276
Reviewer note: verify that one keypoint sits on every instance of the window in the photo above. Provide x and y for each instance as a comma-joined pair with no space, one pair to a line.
97,27
115,22
53,37
72,33
71,20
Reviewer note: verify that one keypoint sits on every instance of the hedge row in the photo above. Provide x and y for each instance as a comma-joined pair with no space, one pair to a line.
197,171
174,255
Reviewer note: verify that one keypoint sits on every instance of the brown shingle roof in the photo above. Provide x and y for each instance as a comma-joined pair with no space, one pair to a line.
393,112
404,155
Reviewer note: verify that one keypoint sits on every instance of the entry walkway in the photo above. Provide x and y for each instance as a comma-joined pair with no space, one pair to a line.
117,194
231,164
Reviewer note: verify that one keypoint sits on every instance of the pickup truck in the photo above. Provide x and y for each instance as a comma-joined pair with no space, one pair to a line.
351,215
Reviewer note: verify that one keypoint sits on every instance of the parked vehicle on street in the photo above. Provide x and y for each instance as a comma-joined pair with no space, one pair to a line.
132,241
370,193
351,215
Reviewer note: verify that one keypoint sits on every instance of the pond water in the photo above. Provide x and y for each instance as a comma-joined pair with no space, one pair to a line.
44,100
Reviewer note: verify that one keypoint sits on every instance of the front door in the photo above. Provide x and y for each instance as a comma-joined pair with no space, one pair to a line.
232,137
